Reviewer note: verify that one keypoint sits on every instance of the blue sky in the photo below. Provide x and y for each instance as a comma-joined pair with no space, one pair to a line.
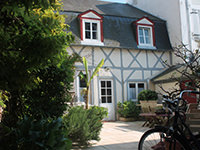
119,1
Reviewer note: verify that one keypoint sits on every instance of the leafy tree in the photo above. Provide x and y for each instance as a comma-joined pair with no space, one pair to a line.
50,97
36,72
87,79
33,36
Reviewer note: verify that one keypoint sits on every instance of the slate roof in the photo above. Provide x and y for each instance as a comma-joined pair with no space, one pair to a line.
118,21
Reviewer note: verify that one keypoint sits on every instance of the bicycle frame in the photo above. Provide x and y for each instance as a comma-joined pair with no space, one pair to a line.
175,128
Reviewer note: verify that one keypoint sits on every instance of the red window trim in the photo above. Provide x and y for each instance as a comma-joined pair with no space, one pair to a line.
147,25
100,20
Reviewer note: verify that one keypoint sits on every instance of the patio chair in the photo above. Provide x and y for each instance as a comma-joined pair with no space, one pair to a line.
148,112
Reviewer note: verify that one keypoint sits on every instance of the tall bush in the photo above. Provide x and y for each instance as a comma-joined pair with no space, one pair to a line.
84,125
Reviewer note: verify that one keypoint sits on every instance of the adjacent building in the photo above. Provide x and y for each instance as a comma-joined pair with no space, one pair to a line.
182,16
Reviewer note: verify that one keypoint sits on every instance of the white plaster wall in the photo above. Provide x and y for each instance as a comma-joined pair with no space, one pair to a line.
96,92
121,73
167,87
167,10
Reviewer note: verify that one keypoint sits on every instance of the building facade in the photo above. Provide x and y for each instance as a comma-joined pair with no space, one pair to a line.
133,43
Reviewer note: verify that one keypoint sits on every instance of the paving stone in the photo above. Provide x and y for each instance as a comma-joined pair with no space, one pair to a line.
119,136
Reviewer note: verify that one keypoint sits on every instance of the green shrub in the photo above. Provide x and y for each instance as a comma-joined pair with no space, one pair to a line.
95,115
31,134
128,109
147,95
84,125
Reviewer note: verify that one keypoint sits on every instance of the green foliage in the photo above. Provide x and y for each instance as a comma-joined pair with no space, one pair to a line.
147,95
3,98
33,42
33,39
84,125
50,97
43,134
128,109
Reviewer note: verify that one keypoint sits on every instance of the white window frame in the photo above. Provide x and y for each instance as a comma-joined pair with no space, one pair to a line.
92,41
151,36
136,86
106,89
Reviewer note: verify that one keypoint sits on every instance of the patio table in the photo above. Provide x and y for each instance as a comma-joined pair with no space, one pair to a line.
152,119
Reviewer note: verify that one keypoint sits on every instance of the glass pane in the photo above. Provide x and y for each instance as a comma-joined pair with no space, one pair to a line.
102,83
109,91
142,40
103,92
147,40
140,87
132,85
94,26
109,99
103,99
81,96
87,26
140,32
82,82
108,83
132,91
87,35
146,32
147,35
94,35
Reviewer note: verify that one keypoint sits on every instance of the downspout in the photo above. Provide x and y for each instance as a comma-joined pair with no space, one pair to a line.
189,24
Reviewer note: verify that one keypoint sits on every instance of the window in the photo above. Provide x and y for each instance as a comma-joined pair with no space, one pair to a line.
82,86
145,33
134,89
106,91
91,28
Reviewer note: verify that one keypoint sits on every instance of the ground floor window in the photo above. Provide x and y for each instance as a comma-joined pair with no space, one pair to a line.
134,88
81,85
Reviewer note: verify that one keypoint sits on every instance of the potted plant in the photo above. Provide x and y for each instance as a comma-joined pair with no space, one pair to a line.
148,100
128,111
147,95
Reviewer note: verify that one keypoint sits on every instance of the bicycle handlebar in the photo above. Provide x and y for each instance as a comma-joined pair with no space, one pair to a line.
188,91
175,103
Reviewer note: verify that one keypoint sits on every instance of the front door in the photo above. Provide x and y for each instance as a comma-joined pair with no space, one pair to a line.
106,98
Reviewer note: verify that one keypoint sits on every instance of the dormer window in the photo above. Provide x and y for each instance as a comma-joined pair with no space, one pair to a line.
145,33
91,30
91,27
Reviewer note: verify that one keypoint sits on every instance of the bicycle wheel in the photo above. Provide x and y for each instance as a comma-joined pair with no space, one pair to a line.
157,139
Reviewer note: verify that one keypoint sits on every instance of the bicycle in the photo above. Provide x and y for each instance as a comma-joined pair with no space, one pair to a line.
173,136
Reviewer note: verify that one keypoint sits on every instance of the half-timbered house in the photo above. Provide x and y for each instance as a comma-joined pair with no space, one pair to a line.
133,43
